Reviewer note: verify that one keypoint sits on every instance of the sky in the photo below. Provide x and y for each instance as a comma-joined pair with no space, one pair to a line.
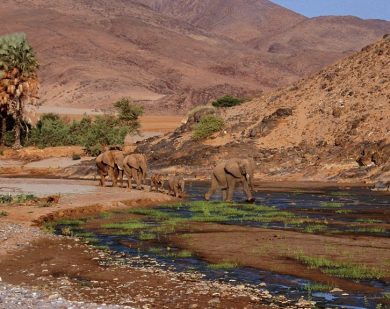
367,9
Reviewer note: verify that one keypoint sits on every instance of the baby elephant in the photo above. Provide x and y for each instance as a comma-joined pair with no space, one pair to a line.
176,186
157,182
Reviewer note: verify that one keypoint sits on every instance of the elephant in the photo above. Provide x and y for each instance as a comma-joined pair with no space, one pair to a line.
227,174
176,186
110,163
157,181
135,167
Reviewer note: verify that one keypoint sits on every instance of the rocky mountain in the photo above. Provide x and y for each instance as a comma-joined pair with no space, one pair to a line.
334,125
171,55
239,20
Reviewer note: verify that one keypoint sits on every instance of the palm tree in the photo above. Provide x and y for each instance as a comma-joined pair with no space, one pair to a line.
18,80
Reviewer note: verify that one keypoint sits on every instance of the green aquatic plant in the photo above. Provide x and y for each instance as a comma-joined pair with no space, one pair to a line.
315,228
66,231
368,230
340,269
331,204
223,265
343,211
184,254
130,225
368,220
355,272
147,236
105,215
317,287
340,193
74,222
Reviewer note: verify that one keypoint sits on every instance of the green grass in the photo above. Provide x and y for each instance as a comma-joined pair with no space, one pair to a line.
340,193
317,287
340,269
131,225
314,228
369,230
49,227
16,199
184,254
367,220
73,222
105,215
355,272
331,204
3,213
223,265
146,236
343,211
168,253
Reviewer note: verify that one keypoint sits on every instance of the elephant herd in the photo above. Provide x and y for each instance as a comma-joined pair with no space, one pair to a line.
225,175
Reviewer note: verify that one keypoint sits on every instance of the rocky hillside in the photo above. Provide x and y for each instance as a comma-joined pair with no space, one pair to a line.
171,55
239,20
334,125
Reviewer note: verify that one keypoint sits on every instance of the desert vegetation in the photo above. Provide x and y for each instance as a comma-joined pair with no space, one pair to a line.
207,126
91,133
228,101
18,82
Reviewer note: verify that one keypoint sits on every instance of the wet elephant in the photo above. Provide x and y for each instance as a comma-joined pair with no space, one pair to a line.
227,174
110,163
135,167
176,186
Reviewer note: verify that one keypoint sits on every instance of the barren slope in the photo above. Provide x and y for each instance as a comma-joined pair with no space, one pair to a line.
240,20
333,125
93,52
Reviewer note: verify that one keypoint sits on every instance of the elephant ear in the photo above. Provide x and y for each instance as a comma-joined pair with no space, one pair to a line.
108,159
233,168
132,161
118,158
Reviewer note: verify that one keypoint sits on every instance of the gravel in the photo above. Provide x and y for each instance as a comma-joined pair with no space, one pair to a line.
19,297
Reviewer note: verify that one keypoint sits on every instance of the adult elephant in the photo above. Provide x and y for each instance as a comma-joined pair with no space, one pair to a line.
135,167
227,174
110,163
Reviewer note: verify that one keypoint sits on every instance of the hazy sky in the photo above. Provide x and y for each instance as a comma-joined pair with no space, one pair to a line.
379,9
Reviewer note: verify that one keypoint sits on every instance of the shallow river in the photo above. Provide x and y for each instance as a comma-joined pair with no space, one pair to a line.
333,206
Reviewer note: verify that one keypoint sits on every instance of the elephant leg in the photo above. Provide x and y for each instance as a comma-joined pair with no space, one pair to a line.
231,183
121,178
141,180
113,173
213,187
102,179
247,190
134,174
224,194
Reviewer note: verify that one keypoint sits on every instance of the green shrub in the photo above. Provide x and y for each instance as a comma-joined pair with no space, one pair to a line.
208,125
52,130
227,101
128,113
3,213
